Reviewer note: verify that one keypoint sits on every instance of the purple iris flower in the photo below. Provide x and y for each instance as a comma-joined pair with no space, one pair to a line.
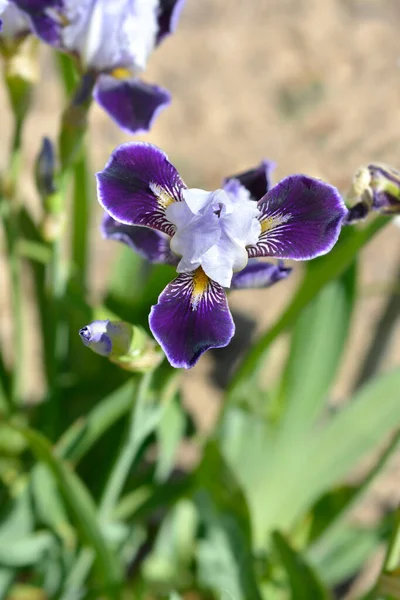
210,237
112,40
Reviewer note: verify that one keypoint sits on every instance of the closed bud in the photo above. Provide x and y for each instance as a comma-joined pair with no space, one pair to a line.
44,169
124,344
374,188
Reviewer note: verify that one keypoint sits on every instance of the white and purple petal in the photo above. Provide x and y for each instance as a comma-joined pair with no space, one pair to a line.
168,15
45,16
152,245
137,185
257,181
258,274
109,35
131,103
192,315
301,218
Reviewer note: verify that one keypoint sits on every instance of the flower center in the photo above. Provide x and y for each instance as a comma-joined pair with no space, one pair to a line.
213,230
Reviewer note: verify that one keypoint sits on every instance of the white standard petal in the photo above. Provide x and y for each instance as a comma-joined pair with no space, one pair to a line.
194,235
109,35
212,231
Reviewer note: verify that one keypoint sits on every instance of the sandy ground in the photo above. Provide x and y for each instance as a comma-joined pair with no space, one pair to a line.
312,84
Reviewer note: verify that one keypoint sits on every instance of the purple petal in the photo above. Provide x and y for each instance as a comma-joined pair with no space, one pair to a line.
301,218
46,24
192,316
152,245
259,274
168,16
137,184
131,103
257,181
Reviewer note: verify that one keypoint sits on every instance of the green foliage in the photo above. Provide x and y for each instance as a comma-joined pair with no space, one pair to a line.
110,489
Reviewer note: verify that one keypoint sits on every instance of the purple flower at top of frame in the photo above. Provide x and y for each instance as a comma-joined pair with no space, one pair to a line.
213,238
113,40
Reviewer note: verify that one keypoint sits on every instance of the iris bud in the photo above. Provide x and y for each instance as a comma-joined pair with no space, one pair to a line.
124,344
44,169
374,188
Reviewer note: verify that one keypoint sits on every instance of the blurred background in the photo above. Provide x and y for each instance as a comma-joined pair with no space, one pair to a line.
311,84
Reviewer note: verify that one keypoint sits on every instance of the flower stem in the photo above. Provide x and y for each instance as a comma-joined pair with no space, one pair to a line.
11,228
120,472
81,220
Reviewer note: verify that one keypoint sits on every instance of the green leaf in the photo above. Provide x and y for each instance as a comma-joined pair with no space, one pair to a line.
282,481
7,576
81,506
145,417
25,551
73,587
173,551
304,583
86,431
49,505
316,348
348,550
225,556
321,271
169,435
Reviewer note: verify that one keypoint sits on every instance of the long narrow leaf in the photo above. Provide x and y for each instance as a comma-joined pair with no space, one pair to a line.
323,270
316,349
82,507
304,583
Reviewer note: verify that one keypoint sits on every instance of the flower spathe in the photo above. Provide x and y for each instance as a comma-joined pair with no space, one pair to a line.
212,236
113,40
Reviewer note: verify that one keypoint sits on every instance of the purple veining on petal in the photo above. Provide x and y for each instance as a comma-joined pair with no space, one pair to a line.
137,184
131,103
301,219
168,15
258,274
192,315
257,181
152,245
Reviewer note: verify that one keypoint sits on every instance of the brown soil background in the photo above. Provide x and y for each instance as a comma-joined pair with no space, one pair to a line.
311,84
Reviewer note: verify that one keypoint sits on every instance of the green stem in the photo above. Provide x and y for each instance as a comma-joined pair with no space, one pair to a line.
392,558
120,472
81,220
12,234
54,337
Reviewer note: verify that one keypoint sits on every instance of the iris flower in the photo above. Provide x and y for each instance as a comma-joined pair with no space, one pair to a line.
112,40
210,237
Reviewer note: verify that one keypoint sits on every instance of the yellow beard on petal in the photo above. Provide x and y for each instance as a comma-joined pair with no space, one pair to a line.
200,285
121,73
271,222
163,198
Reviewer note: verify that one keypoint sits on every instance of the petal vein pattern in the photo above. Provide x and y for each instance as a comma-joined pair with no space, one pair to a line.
137,184
301,218
191,316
